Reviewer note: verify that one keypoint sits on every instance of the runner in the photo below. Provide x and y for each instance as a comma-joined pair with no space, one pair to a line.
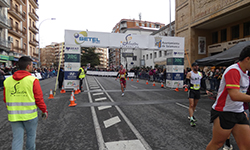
193,81
227,114
122,73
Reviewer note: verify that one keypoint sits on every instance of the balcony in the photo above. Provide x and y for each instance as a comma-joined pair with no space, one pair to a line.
34,42
16,31
5,45
5,3
34,3
21,2
123,26
34,16
16,13
4,22
34,29
18,49
35,54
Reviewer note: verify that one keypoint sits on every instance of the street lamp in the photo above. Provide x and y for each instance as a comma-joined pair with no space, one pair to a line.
39,39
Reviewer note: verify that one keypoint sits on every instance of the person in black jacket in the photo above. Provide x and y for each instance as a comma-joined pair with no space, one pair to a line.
61,78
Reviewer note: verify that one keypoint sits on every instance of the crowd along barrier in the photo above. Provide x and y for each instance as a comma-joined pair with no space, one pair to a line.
107,73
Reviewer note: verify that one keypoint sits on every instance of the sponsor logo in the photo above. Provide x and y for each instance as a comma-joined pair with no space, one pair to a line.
17,91
128,43
178,53
158,41
82,37
73,49
71,83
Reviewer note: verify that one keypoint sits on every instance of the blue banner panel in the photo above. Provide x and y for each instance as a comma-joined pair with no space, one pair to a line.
72,58
70,75
175,76
175,61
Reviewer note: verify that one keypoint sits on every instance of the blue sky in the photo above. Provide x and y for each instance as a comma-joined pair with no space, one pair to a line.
96,15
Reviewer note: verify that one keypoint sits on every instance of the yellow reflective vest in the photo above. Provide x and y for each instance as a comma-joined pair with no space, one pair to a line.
20,99
82,74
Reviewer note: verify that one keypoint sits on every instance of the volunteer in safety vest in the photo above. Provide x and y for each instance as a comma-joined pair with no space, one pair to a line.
193,81
22,95
122,74
81,76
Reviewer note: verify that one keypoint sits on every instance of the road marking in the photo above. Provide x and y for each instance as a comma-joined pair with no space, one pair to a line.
103,107
125,145
183,106
97,94
112,121
100,140
94,87
131,126
100,99
134,87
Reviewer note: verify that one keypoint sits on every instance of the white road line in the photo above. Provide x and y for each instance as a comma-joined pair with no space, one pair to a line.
125,145
94,87
132,127
112,121
183,105
104,107
100,140
97,94
100,99
134,87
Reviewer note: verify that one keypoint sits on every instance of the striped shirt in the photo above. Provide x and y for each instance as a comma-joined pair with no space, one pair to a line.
233,78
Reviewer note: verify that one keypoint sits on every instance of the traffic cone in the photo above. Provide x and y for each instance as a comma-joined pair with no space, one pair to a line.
137,80
162,86
177,89
186,89
76,91
51,96
72,102
73,95
62,91
147,82
154,83
132,79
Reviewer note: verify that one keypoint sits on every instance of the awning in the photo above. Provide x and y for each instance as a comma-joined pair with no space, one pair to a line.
3,61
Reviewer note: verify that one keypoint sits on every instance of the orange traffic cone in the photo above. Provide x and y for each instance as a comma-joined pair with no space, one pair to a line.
73,95
72,102
51,96
154,83
162,86
147,82
62,91
137,80
76,91
186,89
132,79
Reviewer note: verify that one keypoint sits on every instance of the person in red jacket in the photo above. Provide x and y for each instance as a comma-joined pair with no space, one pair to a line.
22,95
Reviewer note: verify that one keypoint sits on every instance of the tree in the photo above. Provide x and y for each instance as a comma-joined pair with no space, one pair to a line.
88,55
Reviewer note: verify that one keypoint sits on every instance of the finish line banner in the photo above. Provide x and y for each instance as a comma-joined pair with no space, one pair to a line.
121,40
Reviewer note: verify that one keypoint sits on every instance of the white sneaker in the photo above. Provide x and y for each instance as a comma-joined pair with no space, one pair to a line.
122,94
228,148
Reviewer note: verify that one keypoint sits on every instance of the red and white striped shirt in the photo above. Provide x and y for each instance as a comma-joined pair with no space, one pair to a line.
233,78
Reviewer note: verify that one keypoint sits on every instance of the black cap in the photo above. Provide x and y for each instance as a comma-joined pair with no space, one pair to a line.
194,64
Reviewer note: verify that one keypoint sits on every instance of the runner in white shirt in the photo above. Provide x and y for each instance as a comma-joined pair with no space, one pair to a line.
227,114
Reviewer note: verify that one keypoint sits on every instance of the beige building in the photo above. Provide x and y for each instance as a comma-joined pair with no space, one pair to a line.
23,31
102,57
211,26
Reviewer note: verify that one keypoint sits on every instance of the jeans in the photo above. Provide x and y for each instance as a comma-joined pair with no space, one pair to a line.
18,128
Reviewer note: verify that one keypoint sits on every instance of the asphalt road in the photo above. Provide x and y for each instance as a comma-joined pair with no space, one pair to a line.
146,118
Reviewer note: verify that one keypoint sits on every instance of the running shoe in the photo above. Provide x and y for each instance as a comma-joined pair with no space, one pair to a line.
193,118
192,123
227,148
122,94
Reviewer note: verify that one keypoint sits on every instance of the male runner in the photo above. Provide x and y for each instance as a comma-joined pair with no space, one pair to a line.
227,114
193,81
122,73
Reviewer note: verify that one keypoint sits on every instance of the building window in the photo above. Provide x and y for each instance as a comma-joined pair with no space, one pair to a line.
235,32
17,44
24,46
152,25
134,58
30,49
142,24
165,53
155,54
150,55
30,22
246,29
159,53
214,37
16,27
143,57
30,36
30,8
147,56
147,24
137,24
223,34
